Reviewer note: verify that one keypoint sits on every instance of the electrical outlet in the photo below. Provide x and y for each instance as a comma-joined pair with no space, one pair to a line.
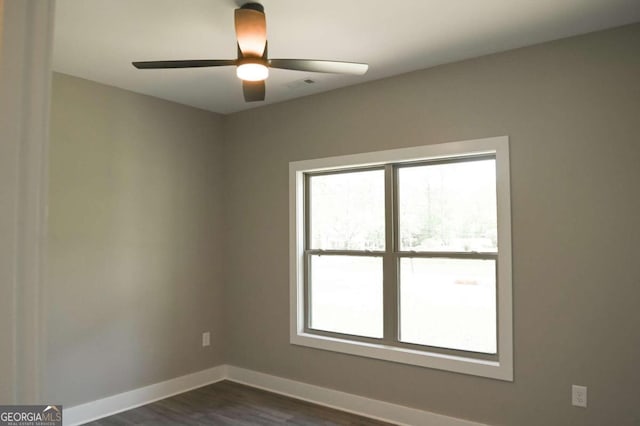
206,339
579,396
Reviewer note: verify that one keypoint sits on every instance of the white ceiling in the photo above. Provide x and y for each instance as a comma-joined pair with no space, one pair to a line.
98,39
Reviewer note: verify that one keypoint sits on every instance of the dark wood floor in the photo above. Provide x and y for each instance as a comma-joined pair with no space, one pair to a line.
228,403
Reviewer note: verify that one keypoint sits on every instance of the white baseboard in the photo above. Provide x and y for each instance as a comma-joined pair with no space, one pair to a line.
351,403
372,408
104,407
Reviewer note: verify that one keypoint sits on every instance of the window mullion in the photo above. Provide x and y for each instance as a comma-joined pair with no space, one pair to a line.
307,212
390,290
449,255
307,291
368,253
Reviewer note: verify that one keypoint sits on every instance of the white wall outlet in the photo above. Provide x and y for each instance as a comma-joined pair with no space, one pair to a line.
206,339
579,396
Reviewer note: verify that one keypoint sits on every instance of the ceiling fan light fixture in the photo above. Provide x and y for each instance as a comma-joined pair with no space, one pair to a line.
252,63
252,71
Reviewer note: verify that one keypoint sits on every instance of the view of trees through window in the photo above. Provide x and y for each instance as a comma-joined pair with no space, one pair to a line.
442,207
446,213
347,211
448,207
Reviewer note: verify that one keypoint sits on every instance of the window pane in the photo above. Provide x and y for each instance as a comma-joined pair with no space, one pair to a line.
346,295
448,303
448,207
347,211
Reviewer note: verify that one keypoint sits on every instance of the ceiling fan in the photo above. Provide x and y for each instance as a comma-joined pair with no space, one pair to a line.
252,64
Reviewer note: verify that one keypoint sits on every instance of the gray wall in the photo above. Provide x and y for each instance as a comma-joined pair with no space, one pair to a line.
135,245
9,190
571,110
145,194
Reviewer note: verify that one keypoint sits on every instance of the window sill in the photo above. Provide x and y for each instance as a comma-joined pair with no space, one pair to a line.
476,367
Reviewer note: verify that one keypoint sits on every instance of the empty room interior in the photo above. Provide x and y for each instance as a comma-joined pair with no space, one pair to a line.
433,220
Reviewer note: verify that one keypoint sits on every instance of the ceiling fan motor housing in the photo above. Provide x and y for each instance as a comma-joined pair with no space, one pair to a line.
252,63
253,6
257,61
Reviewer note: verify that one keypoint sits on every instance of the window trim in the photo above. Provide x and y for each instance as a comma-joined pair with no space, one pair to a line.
502,368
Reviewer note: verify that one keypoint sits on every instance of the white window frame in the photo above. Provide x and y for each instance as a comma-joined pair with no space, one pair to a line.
502,368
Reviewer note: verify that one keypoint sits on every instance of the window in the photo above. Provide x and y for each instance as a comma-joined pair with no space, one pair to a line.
405,255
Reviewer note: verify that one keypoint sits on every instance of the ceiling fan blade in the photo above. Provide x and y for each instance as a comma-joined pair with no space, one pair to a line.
251,29
320,66
253,90
191,63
